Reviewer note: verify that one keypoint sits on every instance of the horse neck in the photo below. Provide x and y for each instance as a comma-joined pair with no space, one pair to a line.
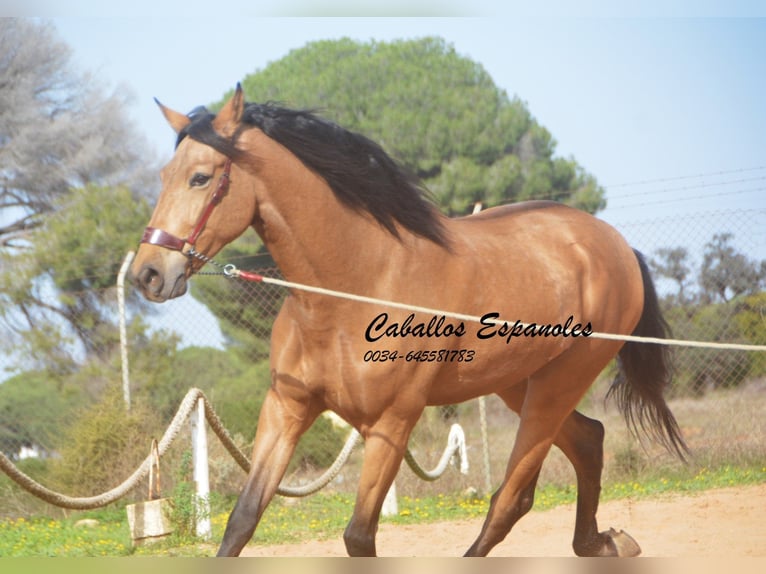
312,236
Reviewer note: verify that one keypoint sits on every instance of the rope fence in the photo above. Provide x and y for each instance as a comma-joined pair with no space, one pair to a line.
455,447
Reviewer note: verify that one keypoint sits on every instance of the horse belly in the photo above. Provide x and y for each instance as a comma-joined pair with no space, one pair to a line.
495,365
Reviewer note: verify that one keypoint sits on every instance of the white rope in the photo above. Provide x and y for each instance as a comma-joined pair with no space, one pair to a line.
485,320
455,447
327,476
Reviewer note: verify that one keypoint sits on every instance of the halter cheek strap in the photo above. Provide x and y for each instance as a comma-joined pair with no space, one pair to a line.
161,238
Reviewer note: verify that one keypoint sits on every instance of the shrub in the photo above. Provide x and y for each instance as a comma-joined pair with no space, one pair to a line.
104,445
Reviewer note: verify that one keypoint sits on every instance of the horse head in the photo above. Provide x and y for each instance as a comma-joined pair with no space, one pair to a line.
204,203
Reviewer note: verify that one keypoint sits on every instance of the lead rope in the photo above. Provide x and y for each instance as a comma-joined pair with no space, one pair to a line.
230,270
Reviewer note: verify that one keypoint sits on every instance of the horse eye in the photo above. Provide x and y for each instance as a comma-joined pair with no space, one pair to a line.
199,179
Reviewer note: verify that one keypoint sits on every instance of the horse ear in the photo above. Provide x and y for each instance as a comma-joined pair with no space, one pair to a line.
231,113
177,121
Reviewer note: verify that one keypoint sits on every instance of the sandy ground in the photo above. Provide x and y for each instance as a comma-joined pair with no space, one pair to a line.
716,523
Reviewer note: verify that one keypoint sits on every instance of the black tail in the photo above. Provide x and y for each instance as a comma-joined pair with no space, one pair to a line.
645,371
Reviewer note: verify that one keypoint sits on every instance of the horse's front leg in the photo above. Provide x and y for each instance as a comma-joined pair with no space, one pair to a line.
384,447
282,421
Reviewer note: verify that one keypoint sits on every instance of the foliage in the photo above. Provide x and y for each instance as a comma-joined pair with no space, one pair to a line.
704,369
34,410
184,508
61,278
751,322
438,112
725,273
72,170
104,445
673,264
726,307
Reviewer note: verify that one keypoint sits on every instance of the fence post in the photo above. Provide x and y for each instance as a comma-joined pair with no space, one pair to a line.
123,330
201,474
390,504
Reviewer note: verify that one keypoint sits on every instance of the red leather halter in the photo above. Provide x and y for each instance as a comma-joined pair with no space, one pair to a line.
161,238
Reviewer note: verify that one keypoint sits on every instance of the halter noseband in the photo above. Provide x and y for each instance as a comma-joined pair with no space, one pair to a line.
162,238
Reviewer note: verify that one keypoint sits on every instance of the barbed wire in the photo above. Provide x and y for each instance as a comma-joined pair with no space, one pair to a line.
685,177
683,199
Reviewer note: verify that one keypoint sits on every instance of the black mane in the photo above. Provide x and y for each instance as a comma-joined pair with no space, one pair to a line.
360,173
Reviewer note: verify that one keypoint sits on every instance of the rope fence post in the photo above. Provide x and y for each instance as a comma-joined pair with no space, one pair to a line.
201,471
123,329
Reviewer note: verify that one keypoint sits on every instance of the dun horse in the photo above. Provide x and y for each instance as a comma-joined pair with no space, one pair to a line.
335,211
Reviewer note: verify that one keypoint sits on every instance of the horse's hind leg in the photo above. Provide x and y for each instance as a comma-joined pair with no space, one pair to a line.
581,439
551,396
281,423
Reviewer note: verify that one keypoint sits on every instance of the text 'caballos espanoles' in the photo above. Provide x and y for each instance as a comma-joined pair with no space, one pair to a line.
490,326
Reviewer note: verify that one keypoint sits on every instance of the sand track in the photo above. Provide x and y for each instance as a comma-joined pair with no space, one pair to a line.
729,522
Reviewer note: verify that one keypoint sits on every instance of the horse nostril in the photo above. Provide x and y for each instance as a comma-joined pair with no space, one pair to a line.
149,279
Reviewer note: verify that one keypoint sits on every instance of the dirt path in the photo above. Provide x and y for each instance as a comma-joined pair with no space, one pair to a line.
717,523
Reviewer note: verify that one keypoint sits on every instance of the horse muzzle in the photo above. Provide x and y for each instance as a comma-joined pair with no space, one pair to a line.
158,284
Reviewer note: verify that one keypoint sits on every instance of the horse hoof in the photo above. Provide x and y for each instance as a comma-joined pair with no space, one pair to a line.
624,543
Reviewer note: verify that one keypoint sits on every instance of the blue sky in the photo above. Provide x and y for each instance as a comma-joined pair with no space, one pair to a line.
631,99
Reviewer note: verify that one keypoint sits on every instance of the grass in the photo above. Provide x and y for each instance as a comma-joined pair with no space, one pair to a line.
325,515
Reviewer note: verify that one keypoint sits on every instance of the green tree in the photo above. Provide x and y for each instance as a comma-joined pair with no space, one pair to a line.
57,292
726,273
34,410
438,112
673,263
103,445
68,156
728,308
751,319
698,370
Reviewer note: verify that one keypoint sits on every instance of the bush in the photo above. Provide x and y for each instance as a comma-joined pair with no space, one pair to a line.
698,370
751,320
103,446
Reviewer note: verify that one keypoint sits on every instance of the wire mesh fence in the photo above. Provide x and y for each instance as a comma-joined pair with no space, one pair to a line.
61,414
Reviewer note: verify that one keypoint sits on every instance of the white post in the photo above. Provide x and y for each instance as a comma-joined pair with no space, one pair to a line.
201,474
123,330
390,504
